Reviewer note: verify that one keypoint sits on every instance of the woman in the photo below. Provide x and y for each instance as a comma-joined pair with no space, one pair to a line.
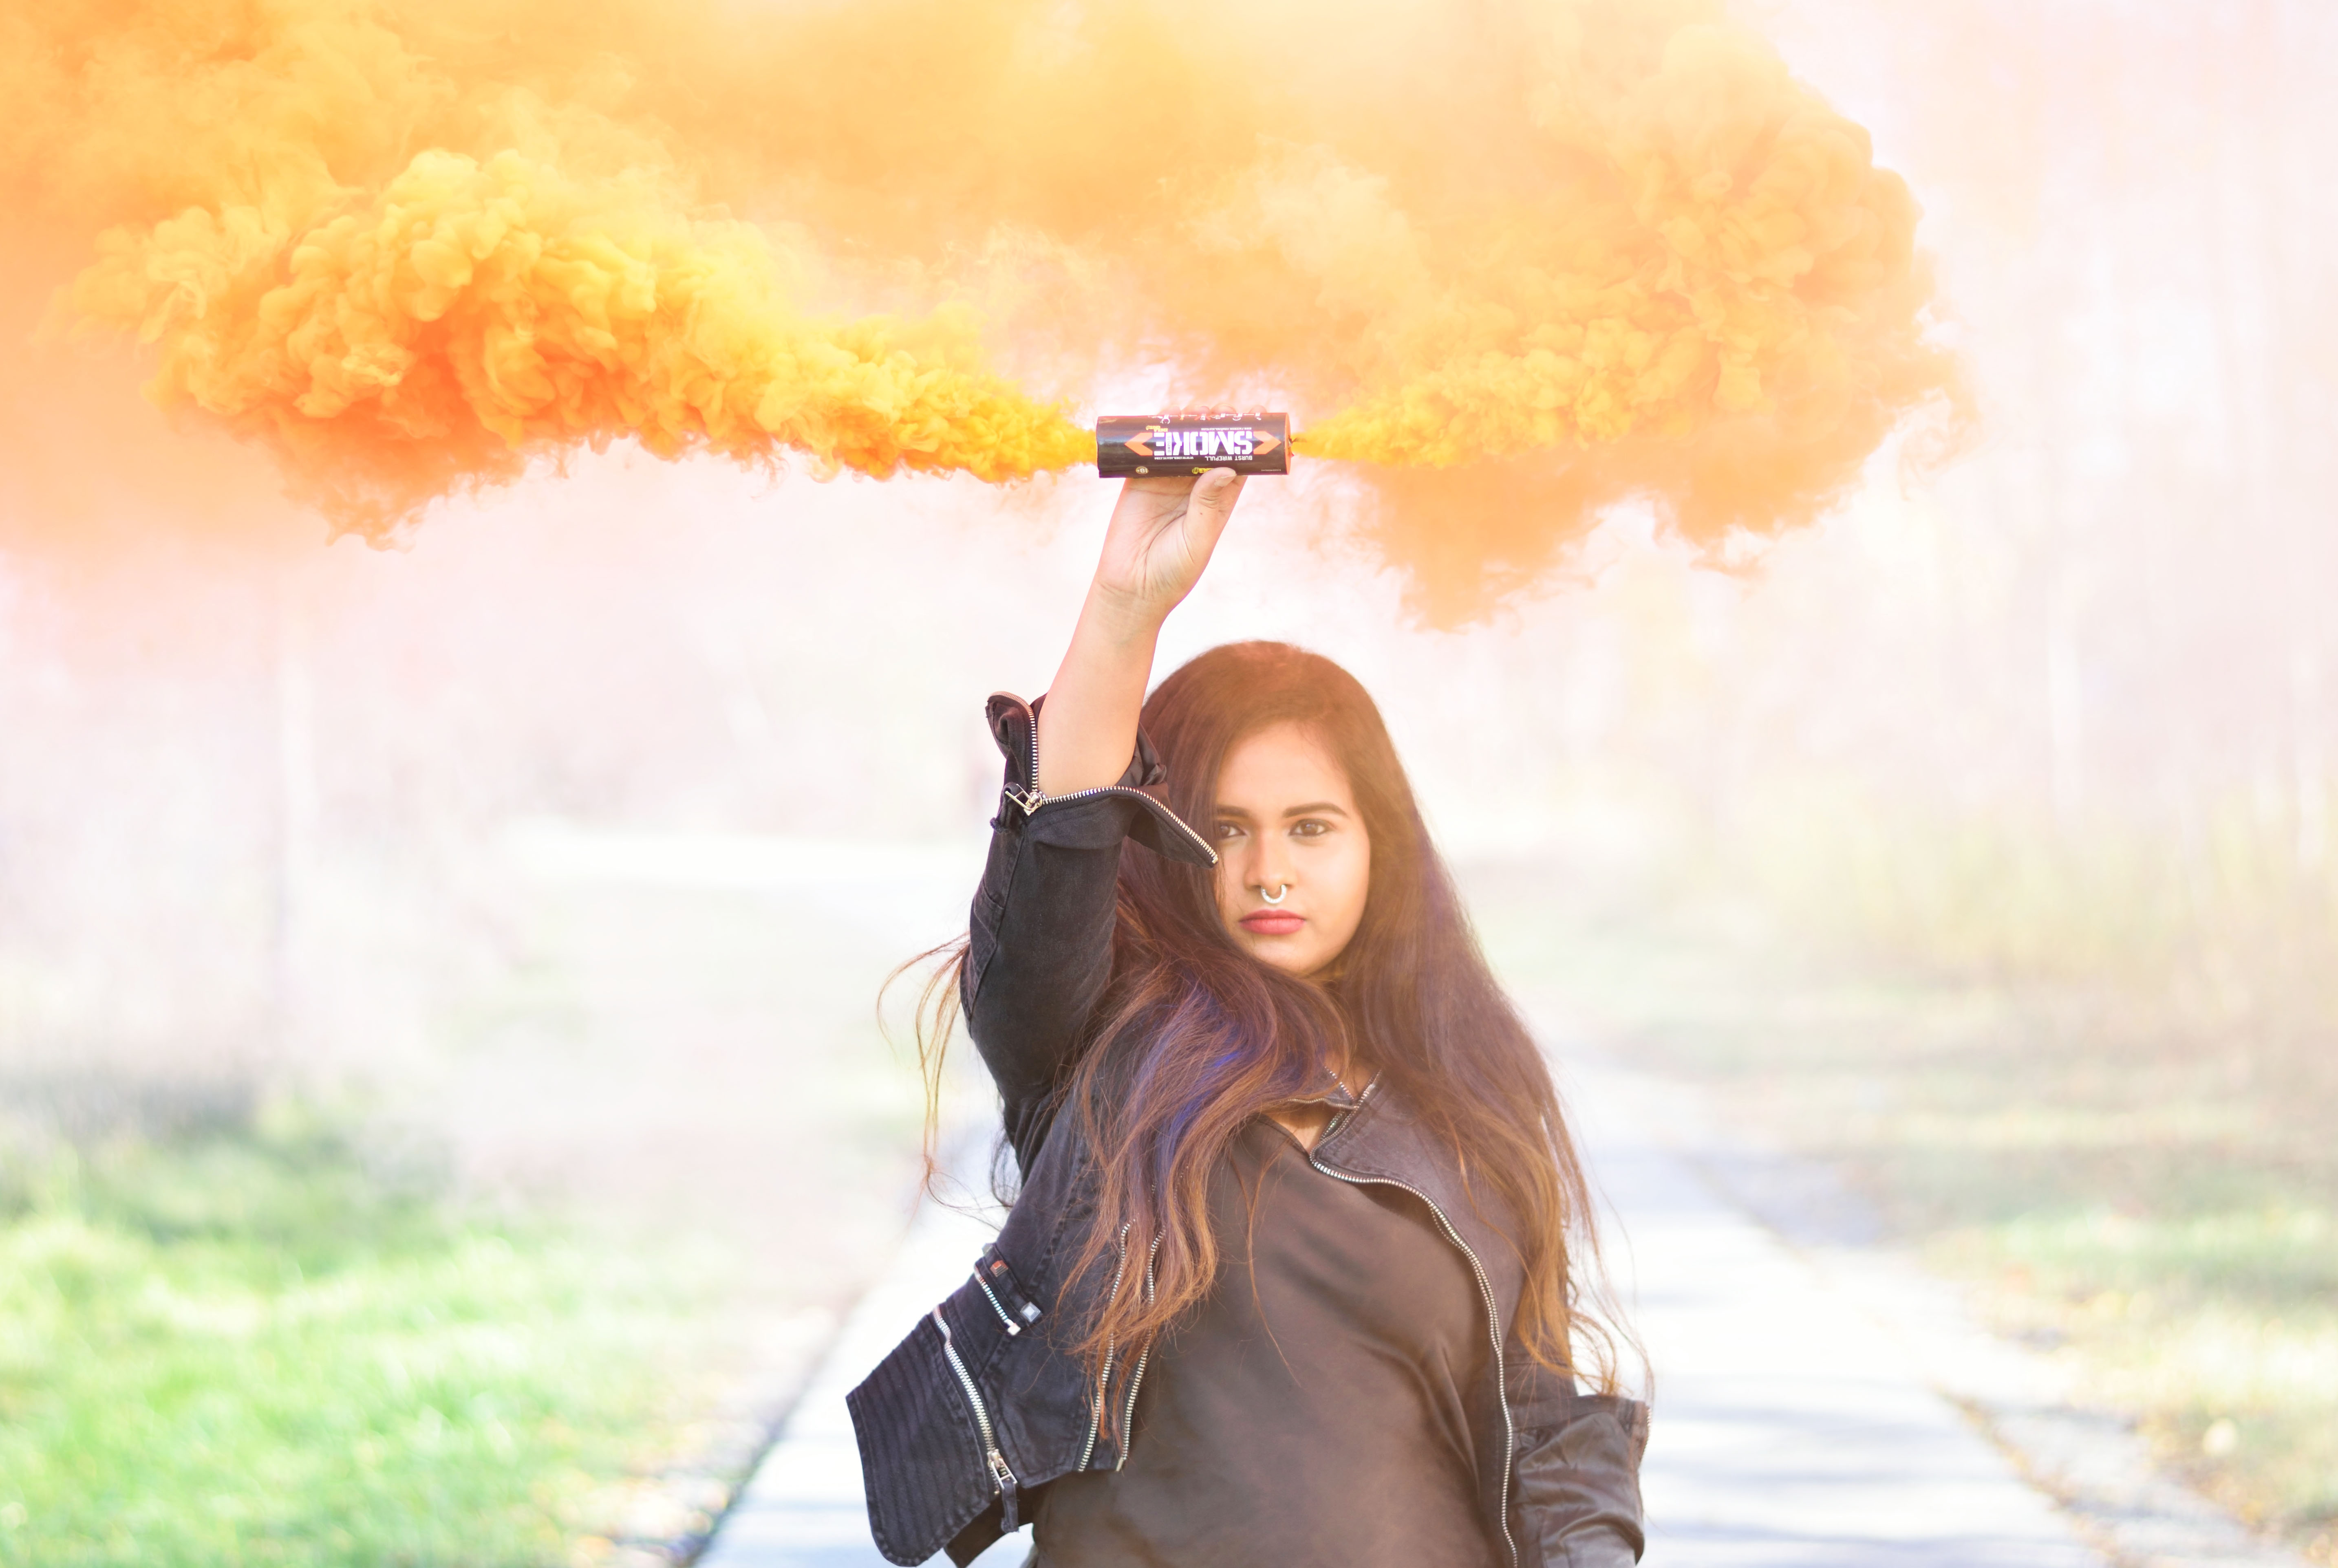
1288,1278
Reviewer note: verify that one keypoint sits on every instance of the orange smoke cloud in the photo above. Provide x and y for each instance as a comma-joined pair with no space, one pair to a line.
1512,264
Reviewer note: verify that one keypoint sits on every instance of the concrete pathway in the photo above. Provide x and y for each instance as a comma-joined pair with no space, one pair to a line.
804,1507
1792,1430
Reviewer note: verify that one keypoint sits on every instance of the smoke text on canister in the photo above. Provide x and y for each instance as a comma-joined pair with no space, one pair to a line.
1130,446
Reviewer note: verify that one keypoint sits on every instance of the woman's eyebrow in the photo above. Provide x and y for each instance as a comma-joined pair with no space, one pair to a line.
1312,808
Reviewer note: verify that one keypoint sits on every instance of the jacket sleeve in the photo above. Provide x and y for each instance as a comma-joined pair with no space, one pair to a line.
1578,1475
1039,935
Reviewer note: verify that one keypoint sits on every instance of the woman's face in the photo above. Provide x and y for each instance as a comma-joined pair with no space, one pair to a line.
1287,824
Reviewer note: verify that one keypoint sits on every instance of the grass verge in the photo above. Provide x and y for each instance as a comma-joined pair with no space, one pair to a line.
248,1345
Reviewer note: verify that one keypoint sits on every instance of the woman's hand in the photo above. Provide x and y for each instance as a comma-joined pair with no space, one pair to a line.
1160,536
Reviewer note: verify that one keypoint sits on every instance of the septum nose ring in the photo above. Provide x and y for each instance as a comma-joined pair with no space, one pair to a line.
1275,897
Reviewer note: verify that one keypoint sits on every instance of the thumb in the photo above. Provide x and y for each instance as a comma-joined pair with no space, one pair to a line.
1212,504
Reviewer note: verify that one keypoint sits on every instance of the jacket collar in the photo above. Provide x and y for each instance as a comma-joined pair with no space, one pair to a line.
1384,1141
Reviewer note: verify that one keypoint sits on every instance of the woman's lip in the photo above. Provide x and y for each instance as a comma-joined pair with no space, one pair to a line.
1272,922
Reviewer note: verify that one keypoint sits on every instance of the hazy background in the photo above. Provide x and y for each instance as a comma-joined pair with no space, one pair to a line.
569,845
2068,705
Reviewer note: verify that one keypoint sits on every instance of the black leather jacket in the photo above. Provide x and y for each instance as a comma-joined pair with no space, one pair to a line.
983,1403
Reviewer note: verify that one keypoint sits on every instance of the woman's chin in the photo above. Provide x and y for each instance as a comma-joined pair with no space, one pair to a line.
1299,958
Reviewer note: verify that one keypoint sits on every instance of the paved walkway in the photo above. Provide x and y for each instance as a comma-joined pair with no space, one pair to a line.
1792,1430
804,1509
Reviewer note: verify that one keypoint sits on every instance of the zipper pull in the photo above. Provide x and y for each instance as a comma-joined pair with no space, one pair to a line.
1029,799
1007,1491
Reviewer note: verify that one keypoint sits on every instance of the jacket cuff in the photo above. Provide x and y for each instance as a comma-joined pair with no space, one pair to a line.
1127,802
1091,822
1579,1482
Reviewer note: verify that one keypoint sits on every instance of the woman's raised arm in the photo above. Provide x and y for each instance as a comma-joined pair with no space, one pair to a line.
1039,935
1160,538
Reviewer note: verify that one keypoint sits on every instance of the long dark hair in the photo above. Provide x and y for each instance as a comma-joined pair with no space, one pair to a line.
1194,1037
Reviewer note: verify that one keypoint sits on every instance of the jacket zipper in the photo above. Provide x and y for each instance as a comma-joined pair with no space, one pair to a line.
1103,1378
1001,1476
1485,1292
1031,800
1136,1373
1013,1327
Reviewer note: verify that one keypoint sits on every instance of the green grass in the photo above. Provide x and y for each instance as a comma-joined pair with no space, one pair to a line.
2221,1330
245,1346
2152,1194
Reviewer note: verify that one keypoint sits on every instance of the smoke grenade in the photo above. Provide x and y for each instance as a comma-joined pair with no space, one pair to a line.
1132,445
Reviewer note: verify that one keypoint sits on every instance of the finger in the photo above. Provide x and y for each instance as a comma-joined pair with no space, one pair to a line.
1218,487
1212,504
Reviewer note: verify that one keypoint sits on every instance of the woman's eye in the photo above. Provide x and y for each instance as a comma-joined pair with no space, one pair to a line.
1310,827
1229,830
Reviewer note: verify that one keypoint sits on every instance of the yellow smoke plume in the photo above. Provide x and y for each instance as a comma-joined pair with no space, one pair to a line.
1512,261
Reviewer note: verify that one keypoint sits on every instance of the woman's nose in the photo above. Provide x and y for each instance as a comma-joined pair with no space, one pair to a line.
1268,865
